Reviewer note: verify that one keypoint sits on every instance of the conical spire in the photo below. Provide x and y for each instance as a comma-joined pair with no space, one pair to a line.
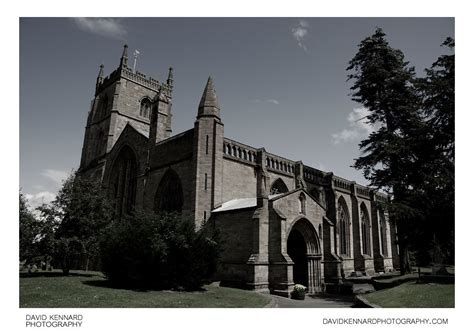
124,59
209,106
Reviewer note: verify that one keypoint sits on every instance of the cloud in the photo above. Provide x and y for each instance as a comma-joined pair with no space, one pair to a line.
105,27
300,32
57,176
43,197
358,127
273,101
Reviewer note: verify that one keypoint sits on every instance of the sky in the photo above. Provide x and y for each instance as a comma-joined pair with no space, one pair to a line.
281,82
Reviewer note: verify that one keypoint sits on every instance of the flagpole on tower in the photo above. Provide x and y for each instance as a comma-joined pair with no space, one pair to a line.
135,56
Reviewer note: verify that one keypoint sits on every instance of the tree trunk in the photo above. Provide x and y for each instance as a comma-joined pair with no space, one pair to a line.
405,266
65,266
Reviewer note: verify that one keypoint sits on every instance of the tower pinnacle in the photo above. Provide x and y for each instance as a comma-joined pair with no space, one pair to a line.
169,81
100,76
209,106
124,59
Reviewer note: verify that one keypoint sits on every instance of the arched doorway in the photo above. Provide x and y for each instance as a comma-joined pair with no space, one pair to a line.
305,252
297,252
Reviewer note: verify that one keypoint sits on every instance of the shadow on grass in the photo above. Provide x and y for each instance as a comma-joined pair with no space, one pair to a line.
104,283
56,274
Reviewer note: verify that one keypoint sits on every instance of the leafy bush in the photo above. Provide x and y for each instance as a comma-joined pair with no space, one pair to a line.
299,288
149,251
298,291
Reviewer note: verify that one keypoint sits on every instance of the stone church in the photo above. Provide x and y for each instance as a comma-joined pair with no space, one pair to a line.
281,222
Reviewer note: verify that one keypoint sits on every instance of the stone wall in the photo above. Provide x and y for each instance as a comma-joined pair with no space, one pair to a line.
236,234
239,180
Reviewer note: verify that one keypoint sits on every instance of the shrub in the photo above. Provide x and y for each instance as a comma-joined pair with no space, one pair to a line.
150,251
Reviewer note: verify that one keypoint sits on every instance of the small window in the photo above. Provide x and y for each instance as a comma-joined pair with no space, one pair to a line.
302,199
145,107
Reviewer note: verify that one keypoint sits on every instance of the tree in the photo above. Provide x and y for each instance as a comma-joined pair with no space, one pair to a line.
77,218
29,230
437,150
384,84
411,156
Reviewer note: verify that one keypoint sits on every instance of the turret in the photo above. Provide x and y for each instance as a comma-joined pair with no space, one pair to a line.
208,141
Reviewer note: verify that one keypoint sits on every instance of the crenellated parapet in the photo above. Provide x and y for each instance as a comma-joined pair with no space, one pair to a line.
127,73
124,71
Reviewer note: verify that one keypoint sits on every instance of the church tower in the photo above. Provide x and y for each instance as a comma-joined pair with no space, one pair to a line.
124,97
208,151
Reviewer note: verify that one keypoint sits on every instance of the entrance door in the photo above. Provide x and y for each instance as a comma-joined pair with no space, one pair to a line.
297,252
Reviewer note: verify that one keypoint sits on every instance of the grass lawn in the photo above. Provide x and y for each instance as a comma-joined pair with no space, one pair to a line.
412,294
86,289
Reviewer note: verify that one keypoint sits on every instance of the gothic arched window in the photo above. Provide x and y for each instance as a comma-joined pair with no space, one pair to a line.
169,196
343,227
383,233
145,107
278,187
365,227
123,177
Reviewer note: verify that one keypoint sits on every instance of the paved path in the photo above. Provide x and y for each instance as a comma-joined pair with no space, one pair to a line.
328,301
